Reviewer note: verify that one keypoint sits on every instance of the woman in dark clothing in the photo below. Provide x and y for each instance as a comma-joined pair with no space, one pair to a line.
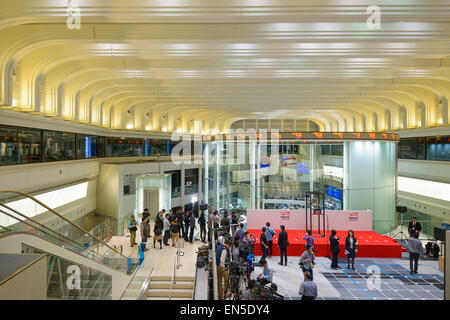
157,230
351,247
202,223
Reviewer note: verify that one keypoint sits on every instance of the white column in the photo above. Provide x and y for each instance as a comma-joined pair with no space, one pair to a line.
218,161
206,177
252,162
258,177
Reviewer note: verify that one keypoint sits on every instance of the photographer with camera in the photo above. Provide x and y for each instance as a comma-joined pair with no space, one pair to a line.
307,261
267,275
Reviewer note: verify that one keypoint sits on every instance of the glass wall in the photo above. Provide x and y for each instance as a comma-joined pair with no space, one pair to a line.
8,146
191,181
119,147
176,183
90,146
140,147
425,148
159,147
58,146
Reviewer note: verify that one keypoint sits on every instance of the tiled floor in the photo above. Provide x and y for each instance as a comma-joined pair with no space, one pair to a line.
373,279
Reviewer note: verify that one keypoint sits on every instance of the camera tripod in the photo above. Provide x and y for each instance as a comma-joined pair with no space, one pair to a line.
235,284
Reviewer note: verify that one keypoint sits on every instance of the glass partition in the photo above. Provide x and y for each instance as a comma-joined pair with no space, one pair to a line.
58,146
90,146
8,146
119,147
29,143
16,210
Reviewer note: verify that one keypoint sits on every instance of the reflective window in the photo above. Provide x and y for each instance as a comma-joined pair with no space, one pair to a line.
29,142
159,147
90,146
119,147
8,146
176,183
191,181
139,147
59,146
411,148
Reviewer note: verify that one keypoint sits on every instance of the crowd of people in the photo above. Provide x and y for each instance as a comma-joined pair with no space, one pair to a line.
174,225
235,245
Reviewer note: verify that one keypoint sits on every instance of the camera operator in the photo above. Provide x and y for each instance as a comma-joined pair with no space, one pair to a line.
222,262
267,275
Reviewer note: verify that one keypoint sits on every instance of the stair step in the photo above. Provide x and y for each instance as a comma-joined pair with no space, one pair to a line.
166,298
168,278
166,293
167,284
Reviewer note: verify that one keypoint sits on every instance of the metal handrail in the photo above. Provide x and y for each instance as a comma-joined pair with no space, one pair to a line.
62,217
214,267
172,281
144,288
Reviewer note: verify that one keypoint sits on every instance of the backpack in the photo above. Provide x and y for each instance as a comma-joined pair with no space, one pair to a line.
174,228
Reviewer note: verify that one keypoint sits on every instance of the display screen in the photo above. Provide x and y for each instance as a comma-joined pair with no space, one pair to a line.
334,192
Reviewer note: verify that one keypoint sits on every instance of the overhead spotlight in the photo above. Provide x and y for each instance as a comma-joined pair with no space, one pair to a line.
129,126
148,128
164,129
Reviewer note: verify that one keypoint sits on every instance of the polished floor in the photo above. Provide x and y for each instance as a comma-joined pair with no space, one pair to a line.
391,281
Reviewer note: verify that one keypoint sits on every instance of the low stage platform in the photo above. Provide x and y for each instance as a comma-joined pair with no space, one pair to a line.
371,244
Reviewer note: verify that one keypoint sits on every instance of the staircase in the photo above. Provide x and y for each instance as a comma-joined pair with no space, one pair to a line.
182,289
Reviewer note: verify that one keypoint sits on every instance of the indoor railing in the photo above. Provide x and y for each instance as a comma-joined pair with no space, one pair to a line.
20,212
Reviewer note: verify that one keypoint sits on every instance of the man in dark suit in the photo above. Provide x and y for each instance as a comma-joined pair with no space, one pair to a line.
282,244
414,226
334,247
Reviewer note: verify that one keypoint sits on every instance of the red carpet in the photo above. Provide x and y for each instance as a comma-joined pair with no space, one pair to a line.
371,244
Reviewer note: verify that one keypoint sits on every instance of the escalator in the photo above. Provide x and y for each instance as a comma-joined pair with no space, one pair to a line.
85,268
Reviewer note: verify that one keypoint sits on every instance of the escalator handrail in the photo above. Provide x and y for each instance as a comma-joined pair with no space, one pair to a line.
62,217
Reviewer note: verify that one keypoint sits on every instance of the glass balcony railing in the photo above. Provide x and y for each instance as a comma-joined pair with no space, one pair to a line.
16,210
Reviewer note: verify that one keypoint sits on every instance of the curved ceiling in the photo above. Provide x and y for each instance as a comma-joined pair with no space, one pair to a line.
164,66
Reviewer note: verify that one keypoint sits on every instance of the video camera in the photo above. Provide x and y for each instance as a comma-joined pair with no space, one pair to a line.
266,292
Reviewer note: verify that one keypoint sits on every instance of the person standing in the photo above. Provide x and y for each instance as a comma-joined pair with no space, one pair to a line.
166,229
270,233
234,223
334,247
191,226
202,223
225,223
180,222
351,247
157,230
264,243
132,226
240,233
309,240
145,229
415,249
235,252
308,288
211,225
413,227
283,244
187,222
174,232
222,262
307,261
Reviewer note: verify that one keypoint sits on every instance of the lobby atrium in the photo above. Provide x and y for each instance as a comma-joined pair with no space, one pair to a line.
141,140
